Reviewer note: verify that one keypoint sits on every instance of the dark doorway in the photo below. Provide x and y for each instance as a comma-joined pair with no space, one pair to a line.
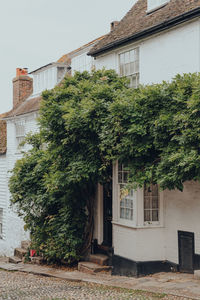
186,251
107,214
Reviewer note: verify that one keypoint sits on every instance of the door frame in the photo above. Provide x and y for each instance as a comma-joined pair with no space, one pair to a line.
191,235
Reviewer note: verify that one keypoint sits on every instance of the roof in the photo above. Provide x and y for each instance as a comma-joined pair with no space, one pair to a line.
3,135
138,23
27,106
66,58
58,64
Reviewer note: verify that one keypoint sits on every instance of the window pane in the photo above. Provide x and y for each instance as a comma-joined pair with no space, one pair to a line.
126,58
154,215
132,55
146,202
147,217
155,202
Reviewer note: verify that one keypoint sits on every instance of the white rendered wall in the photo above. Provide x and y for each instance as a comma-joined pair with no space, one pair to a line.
170,53
176,51
13,226
182,211
161,58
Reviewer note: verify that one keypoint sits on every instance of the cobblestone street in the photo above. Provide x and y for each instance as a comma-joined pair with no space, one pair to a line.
21,286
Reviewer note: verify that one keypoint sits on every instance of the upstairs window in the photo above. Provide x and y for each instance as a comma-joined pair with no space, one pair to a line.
151,203
154,4
20,132
1,223
82,63
129,66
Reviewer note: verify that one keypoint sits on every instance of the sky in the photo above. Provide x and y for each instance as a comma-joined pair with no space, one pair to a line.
37,32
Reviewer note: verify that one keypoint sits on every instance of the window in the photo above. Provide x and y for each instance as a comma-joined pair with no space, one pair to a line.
126,196
154,4
129,66
20,132
1,223
151,203
82,63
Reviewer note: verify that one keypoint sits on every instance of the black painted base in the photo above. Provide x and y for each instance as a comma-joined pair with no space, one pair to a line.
126,267
197,261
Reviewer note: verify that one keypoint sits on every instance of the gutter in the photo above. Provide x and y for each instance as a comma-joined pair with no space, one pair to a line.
150,31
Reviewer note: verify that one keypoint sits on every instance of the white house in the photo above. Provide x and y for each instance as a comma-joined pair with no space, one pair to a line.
149,230
21,120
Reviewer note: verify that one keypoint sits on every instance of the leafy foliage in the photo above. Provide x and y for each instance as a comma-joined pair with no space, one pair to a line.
86,123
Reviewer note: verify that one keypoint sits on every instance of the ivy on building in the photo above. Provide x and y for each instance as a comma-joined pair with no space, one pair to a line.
86,123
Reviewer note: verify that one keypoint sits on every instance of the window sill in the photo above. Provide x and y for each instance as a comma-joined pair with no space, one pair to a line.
148,226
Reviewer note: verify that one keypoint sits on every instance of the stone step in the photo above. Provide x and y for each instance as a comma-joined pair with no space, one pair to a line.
197,274
14,260
99,259
25,245
19,252
92,268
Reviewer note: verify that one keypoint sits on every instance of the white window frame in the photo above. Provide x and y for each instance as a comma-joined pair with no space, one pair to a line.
151,222
1,223
20,133
131,52
124,221
138,206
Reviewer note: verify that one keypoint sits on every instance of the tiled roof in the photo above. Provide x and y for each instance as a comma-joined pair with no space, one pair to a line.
3,135
137,20
27,106
66,58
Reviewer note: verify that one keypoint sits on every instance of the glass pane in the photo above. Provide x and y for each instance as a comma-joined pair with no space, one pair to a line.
125,177
122,213
154,202
127,69
154,215
147,203
132,68
120,177
132,55
121,58
154,189
147,216
126,58
137,54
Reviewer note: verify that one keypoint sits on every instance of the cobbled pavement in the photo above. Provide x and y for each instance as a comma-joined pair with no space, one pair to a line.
22,286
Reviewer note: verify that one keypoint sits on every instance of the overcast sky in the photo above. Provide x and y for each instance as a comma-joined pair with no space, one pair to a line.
36,32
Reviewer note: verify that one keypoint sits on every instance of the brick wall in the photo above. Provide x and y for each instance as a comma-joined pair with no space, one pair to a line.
22,89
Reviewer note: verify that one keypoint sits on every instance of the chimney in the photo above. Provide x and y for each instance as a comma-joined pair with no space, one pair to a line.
113,25
22,86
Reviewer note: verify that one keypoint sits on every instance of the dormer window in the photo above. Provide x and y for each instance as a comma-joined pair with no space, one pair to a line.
155,4
47,77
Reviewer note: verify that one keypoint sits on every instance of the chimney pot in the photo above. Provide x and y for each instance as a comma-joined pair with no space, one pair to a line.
113,25
21,72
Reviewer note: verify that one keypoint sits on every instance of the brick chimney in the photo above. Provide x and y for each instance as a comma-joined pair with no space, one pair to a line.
113,25
22,86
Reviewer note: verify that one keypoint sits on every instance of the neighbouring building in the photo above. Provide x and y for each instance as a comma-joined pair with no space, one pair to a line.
21,120
149,230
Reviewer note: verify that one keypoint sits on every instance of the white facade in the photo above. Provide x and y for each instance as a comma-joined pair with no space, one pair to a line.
161,57
13,226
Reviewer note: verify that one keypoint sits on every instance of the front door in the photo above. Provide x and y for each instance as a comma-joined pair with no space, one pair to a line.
186,251
107,211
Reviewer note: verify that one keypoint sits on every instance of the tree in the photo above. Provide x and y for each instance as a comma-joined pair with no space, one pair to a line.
86,123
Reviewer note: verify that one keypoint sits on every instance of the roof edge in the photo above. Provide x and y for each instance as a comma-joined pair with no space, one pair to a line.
148,32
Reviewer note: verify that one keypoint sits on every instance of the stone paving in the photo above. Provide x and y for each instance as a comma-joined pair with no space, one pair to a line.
175,285
25,286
